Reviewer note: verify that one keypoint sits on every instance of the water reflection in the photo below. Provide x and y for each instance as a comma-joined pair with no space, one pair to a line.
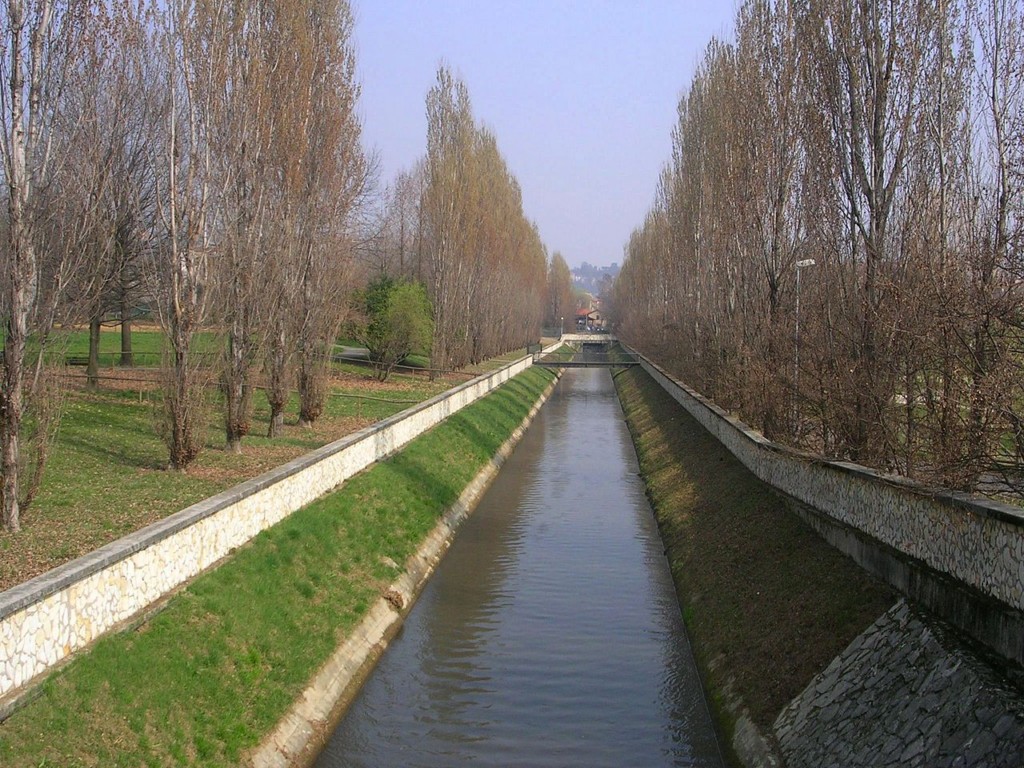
550,634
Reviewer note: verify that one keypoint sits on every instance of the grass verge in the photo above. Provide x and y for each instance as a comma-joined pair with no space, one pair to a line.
201,682
147,344
767,602
563,353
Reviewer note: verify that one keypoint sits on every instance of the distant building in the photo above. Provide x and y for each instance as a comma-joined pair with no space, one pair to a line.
589,319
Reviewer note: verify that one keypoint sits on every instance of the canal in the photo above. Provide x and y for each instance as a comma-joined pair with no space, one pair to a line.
550,634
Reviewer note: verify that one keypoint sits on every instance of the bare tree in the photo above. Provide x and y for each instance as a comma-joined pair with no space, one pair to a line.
766,114
240,136
183,177
559,297
40,40
866,74
450,137
394,246
110,172
325,176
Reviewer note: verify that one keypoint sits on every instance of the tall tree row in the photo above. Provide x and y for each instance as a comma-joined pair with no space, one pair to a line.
47,54
262,173
561,303
202,158
456,224
834,247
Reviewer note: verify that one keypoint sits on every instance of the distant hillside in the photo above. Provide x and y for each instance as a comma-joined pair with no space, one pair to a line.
593,279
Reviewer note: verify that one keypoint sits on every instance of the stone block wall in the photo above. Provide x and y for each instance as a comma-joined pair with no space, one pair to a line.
961,556
903,694
46,619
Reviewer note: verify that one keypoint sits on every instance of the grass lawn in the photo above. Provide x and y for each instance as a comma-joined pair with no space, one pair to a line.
767,602
147,347
201,682
147,344
107,476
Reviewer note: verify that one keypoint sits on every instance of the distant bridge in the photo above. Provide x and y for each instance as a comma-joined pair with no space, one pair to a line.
593,353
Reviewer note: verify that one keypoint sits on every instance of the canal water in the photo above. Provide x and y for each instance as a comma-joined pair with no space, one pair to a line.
550,634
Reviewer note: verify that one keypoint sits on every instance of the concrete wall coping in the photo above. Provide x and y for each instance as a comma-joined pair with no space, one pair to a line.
978,505
604,338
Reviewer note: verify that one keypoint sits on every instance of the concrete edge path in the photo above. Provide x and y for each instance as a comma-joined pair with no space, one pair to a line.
297,739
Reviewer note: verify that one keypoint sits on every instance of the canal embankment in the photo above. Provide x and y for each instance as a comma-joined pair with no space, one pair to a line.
206,678
766,601
300,735
808,660
959,556
550,635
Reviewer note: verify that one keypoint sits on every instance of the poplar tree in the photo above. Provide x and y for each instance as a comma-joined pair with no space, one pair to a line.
450,138
560,304
487,266
834,246
186,218
40,42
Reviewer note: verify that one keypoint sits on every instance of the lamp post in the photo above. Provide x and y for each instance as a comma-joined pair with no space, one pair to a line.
796,345
561,327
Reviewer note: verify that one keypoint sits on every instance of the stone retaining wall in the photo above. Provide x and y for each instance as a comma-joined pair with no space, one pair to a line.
960,556
904,694
46,619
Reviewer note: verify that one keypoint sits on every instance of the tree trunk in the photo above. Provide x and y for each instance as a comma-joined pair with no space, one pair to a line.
92,371
23,277
277,382
237,391
12,408
184,399
311,391
276,423
127,356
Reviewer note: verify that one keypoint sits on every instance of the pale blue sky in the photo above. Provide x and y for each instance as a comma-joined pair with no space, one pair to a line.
581,95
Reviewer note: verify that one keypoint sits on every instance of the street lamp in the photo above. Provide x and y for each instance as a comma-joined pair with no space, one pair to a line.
561,327
796,345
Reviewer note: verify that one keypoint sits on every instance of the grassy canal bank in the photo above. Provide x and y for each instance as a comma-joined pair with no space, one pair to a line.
204,679
767,602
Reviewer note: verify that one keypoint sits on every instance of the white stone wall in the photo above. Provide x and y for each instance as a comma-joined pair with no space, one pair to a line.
575,338
977,541
48,618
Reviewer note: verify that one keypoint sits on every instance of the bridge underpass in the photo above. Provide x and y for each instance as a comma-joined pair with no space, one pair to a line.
594,350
